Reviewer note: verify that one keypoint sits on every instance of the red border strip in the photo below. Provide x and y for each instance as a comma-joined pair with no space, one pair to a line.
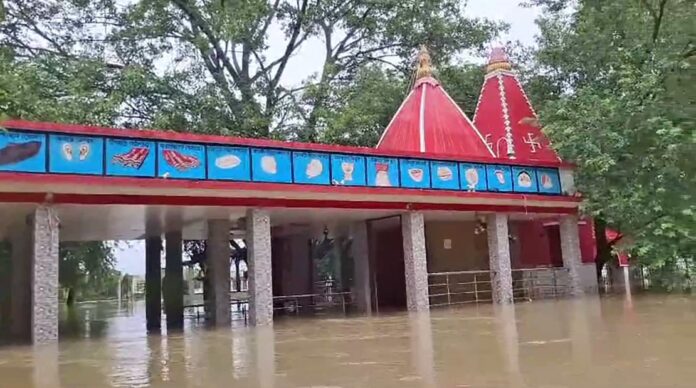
238,141
160,183
94,199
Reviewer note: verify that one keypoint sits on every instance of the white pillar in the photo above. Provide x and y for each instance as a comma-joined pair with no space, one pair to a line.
218,250
44,273
570,250
361,267
499,256
258,225
416,267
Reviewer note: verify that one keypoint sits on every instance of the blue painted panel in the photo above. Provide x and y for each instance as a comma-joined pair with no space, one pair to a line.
524,180
348,170
311,168
183,161
548,180
499,178
444,175
22,152
415,173
229,163
383,172
130,157
76,154
268,165
473,176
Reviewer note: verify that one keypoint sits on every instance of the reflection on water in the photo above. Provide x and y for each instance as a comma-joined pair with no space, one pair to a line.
567,343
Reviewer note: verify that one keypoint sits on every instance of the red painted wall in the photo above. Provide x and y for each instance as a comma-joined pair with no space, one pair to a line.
540,243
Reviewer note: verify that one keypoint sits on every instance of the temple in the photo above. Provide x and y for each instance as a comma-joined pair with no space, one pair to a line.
443,211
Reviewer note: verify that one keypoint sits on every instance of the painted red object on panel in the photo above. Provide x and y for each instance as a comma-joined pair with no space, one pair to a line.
133,158
180,161
505,115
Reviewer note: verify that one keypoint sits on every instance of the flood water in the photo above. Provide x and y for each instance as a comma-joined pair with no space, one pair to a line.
606,342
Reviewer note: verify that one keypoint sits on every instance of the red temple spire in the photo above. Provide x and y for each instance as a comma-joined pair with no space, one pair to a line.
505,115
430,121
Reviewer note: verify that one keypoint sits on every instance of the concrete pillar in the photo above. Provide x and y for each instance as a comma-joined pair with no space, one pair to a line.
44,276
218,250
153,283
415,262
361,266
570,250
258,225
174,281
20,295
499,256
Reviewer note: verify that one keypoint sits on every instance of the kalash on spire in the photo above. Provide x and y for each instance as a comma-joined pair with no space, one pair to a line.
430,121
505,115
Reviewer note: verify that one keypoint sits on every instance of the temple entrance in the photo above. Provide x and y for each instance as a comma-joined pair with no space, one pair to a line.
387,259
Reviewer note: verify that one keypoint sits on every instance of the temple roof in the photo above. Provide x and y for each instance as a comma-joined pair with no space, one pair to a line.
430,121
505,115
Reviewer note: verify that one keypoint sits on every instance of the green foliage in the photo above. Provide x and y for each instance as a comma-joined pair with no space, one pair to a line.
88,269
622,73
217,66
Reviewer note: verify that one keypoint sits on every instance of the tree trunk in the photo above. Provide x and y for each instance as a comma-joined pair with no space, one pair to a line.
603,246
70,300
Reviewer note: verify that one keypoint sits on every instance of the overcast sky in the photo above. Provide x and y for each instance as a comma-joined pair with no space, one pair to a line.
522,28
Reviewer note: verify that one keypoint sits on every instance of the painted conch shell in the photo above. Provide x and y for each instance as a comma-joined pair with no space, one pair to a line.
269,164
227,162
314,168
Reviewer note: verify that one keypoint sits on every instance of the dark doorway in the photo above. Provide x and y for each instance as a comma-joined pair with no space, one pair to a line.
387,262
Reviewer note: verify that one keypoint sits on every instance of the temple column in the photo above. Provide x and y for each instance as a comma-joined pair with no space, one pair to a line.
361,260
20,283
258,226
174,281
499,256
153,283
416,269
570,250
219,251
44,276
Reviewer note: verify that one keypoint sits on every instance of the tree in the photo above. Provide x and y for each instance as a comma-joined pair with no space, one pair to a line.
87,267
221,66
622,74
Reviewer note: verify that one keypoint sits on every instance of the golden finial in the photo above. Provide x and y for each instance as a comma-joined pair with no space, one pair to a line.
498,60
425,66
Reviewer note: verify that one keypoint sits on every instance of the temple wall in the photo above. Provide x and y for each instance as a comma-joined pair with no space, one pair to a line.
467,252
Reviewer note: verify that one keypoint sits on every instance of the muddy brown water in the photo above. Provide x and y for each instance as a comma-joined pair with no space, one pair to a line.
608,342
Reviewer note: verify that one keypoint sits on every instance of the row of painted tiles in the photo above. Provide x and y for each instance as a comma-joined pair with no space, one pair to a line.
36,152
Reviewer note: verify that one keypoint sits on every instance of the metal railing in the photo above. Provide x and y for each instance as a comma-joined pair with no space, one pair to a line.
463,287
540,283
294,304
